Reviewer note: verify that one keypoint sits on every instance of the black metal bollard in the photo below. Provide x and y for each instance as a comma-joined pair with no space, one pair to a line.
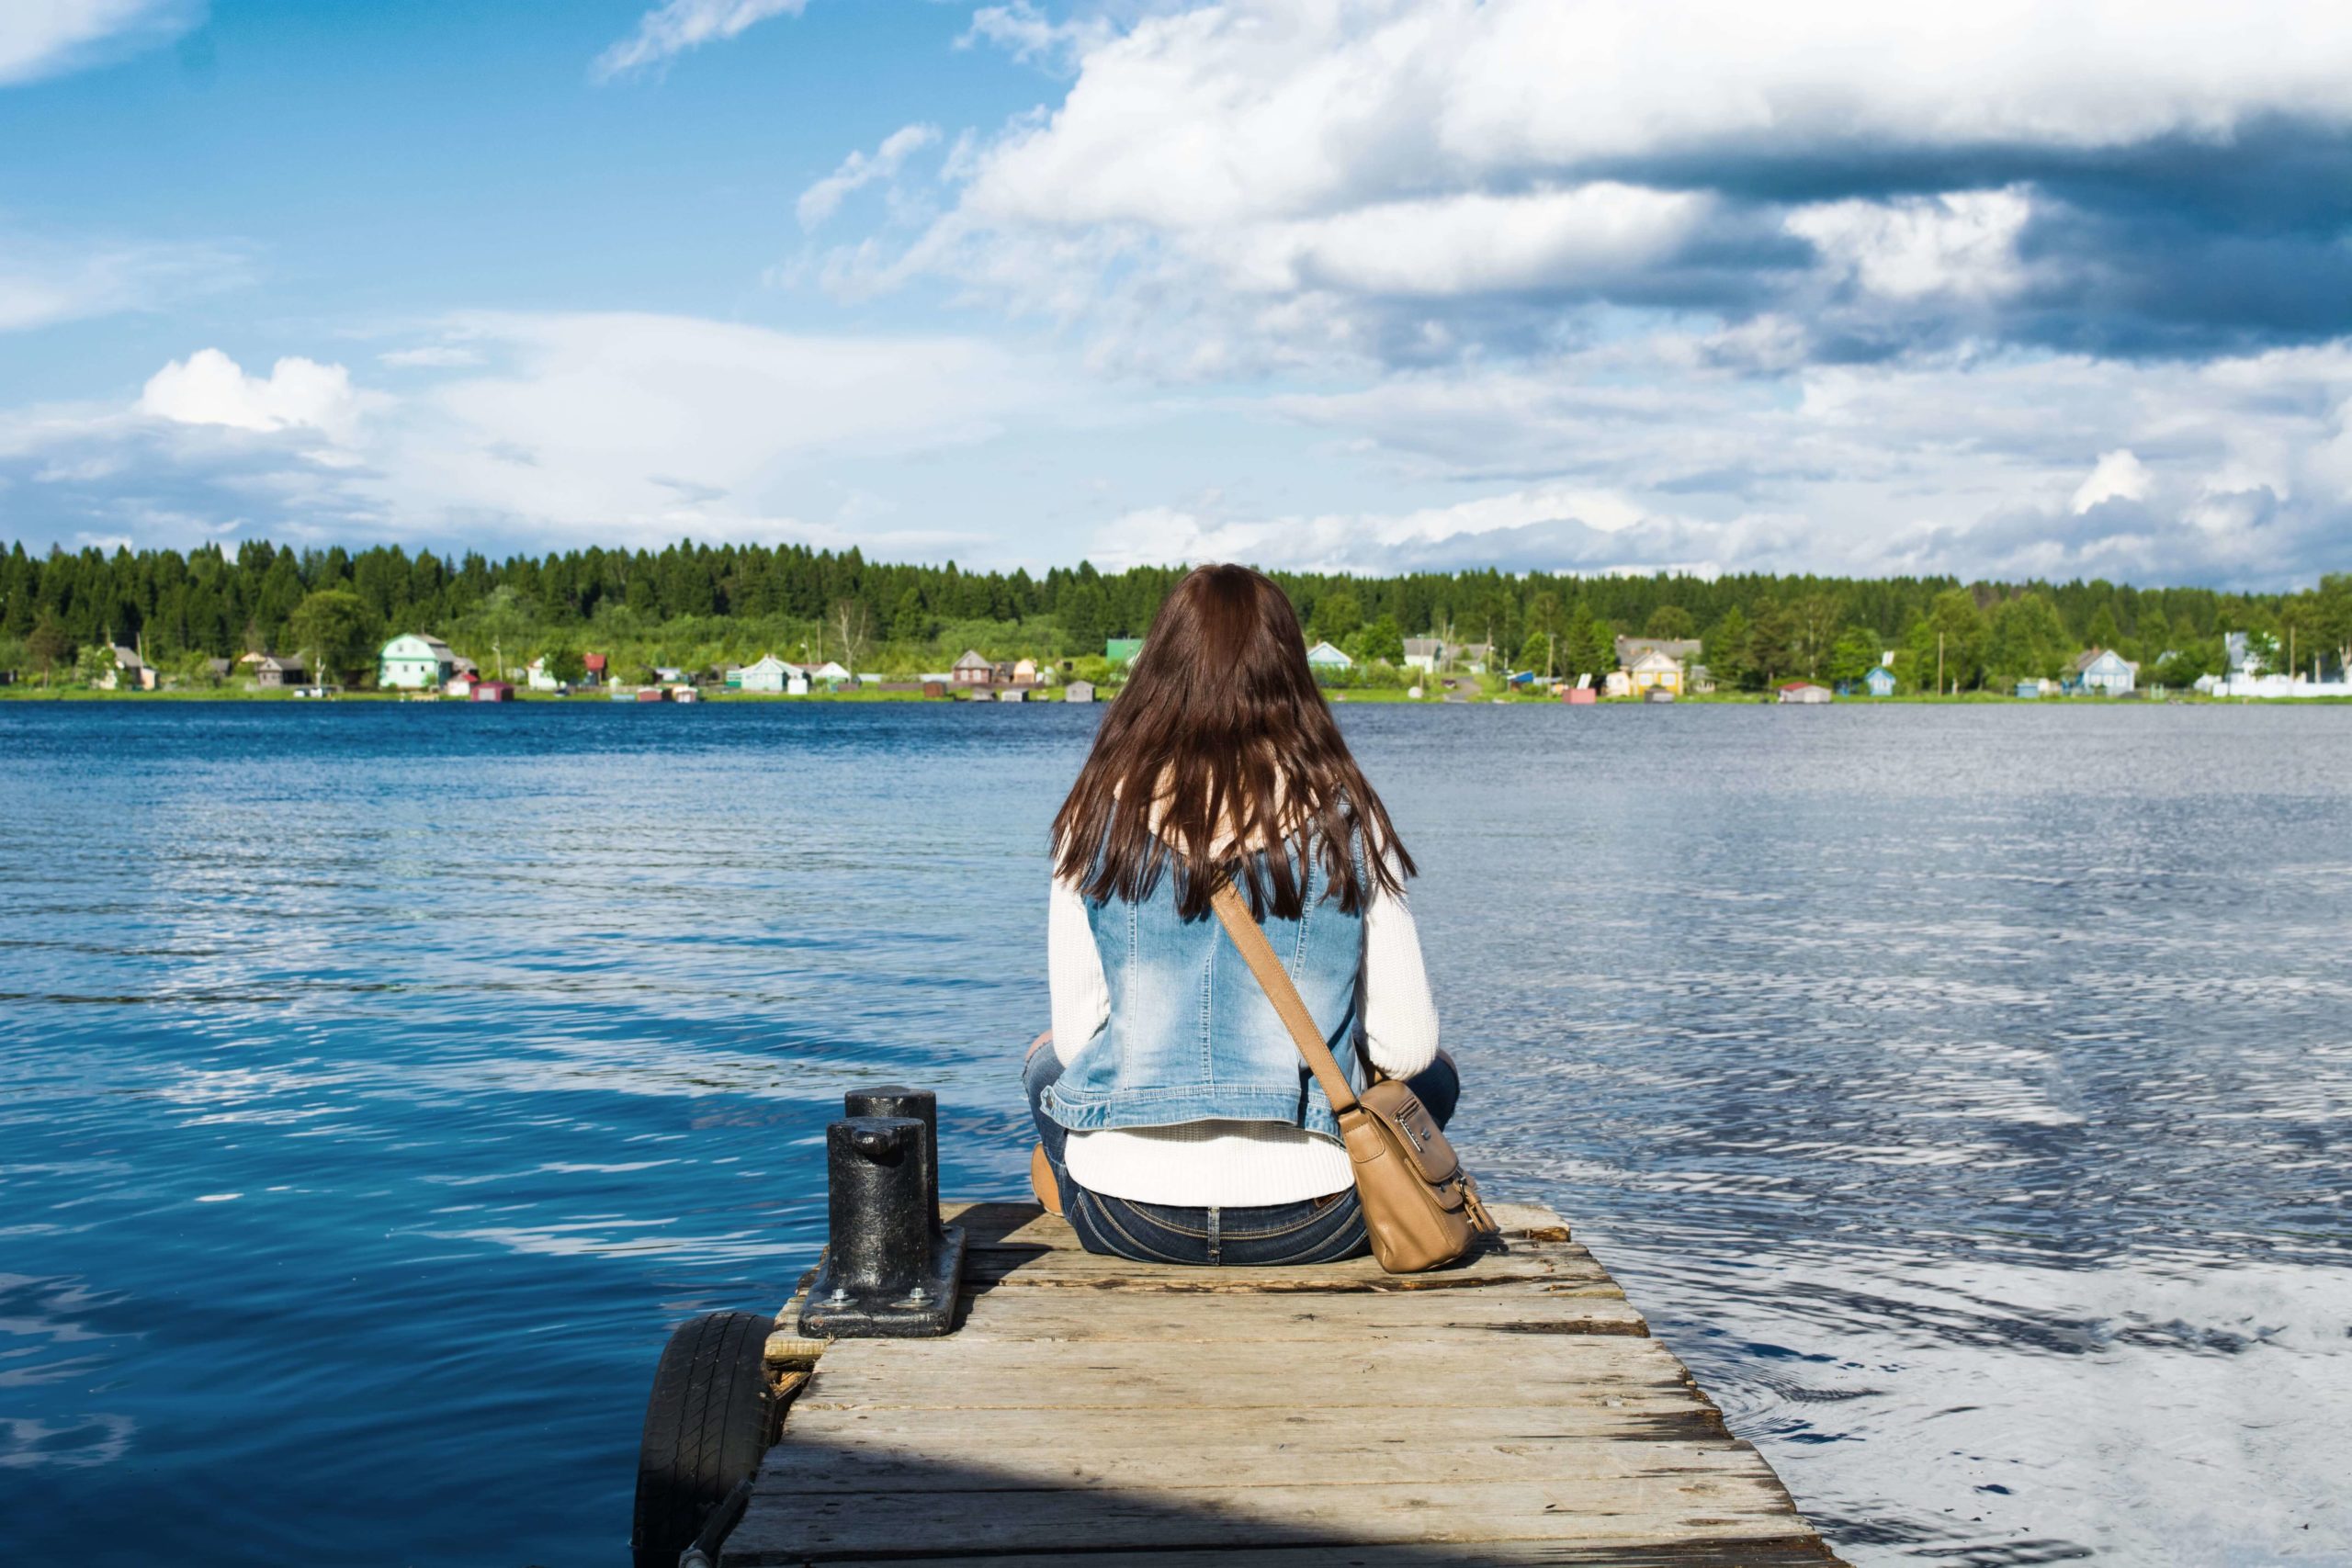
896,1099
889,1268
880,1244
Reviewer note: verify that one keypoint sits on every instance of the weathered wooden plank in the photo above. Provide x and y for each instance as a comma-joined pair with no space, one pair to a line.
1053,1268
1796,1551
1637,1416
1084,1317
839,1457
1511,1410
1684,1505
1397,1374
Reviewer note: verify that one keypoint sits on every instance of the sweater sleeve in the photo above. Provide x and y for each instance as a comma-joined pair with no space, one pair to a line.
1082,996
1399,1015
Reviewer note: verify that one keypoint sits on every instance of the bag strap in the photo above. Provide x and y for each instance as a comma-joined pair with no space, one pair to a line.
1275,981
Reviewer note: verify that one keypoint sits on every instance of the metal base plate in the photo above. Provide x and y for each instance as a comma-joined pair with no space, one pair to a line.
926,1311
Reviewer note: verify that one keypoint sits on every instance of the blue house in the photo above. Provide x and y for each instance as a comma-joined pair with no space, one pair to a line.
1880,681
2030,690
2102,670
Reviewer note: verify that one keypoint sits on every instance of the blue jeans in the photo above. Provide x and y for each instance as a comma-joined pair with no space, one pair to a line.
1320,1230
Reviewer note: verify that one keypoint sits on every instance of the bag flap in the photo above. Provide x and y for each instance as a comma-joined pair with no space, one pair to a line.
1412,1129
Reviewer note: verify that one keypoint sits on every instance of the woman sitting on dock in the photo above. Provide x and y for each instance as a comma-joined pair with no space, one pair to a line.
1177,1121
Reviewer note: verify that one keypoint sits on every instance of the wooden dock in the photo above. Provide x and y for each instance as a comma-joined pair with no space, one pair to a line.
1091,1412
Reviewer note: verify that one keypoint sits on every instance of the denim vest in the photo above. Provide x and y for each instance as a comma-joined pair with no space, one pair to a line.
1191,1036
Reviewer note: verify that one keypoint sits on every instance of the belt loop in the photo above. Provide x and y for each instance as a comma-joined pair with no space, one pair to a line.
1216,1251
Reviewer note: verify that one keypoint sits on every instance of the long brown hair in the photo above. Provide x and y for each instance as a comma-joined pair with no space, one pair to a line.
1219,746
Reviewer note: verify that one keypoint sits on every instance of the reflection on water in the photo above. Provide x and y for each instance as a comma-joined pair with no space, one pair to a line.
1963,1093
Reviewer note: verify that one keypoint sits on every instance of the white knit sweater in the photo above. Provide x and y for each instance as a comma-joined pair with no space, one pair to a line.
1233,1164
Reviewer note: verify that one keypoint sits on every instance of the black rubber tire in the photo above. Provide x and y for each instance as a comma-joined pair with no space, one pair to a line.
705,1426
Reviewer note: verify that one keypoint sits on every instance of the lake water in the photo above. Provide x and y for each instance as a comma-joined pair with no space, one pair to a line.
1966,1093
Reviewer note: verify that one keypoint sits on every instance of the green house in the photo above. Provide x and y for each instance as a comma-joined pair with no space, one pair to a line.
1123,649
414,662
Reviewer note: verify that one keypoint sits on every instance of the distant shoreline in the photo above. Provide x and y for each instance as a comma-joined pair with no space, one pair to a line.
1381,696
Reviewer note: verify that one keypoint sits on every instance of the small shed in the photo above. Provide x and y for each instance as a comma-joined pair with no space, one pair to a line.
932,686
279,670
2031,691
593,663
1803,692
972,669
1880,681
1580,697
1078,691
493,691
1013,694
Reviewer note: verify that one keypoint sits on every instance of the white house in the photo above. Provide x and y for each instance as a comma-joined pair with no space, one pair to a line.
831,670
1424,653
770,674
537,676
415,663
130,670
2104,671
1323,655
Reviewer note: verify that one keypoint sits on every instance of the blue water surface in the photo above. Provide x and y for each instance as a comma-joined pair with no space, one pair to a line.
1965,1092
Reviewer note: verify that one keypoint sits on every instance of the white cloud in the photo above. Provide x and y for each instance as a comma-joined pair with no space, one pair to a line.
1468,244
45,282
431,356
680,25
821,200
2117,475
1963,243
1267,109
41,37
209,388
639,428
1030,36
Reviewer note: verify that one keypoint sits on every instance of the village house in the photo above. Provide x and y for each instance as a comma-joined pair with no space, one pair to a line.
1879,679
831,670
274,671
415,663
1024,673
1326,660
130,671
593,664
2104,671
1424,653
972,669
537,676
1655,670
770,674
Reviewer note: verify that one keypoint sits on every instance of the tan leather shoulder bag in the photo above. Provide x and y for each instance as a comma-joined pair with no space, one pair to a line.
1420,1208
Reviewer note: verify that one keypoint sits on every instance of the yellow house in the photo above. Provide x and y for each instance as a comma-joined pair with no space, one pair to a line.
1656,668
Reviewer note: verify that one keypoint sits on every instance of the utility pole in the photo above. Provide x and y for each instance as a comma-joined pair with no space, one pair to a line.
1940,662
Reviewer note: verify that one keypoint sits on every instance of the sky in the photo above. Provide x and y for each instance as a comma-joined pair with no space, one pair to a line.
1997,288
